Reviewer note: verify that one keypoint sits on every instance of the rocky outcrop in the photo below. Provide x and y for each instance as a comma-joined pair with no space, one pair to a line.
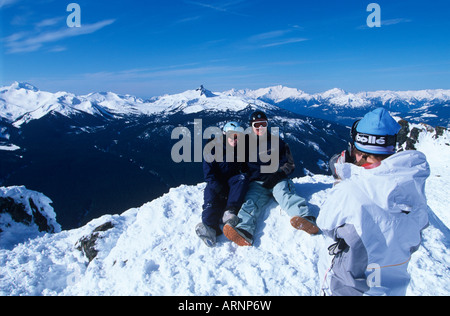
87,245
24,214
409,133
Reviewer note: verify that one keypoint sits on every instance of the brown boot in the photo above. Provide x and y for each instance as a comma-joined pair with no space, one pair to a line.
239,237
306,224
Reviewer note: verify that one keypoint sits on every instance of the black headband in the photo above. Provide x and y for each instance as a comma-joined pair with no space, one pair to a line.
375,140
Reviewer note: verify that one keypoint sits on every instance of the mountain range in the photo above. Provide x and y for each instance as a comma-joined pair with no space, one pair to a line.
22,102
104,153
424,106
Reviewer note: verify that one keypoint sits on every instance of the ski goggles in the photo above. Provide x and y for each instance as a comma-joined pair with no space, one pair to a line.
260,124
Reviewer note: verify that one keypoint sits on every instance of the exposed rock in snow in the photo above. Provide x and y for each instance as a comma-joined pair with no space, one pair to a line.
24,214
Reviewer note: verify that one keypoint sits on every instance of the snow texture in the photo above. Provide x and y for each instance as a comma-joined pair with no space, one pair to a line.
153,250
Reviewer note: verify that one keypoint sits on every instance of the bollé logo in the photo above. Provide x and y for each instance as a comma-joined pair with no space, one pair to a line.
371,139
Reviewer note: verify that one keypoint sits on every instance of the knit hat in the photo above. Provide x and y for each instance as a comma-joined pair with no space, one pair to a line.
376,133
258,116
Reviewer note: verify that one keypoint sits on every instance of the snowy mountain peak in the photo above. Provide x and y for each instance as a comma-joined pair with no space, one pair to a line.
23,85
276,93
205,92
336,92
194,101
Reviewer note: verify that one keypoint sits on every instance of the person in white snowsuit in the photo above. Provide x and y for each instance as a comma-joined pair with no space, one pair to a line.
376,213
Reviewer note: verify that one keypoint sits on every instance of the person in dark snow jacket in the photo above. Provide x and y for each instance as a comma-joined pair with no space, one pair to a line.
227,184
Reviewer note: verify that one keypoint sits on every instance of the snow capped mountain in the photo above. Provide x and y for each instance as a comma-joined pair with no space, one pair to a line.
340,98
410,96
276,93
23,102
153,249
337,96
199,100
427,106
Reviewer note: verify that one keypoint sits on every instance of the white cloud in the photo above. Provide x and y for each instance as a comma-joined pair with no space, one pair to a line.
284,42
387,23
222,7
188,19
30,42
4,3
276,38
395,21
269,35
176,71
49,22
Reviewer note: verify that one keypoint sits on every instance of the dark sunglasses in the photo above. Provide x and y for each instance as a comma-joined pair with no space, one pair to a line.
259,124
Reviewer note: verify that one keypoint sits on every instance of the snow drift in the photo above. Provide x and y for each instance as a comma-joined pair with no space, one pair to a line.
153,250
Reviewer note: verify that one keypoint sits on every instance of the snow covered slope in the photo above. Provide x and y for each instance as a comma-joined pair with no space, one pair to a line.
153,250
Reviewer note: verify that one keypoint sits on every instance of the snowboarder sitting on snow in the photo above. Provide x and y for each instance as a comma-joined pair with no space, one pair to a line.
265,186
227,184
376,213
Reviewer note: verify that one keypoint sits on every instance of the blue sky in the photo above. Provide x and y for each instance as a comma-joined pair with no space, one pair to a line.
148,48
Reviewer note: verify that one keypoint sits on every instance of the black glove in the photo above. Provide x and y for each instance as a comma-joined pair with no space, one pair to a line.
337,248
274,179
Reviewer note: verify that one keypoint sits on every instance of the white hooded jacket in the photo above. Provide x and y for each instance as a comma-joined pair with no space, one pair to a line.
380,214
